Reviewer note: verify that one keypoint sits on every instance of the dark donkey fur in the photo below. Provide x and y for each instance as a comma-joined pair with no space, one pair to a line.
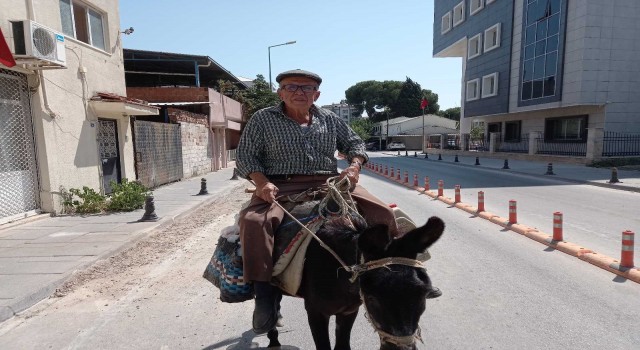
394,296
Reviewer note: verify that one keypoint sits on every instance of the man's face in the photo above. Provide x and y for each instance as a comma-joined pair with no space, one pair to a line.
292,92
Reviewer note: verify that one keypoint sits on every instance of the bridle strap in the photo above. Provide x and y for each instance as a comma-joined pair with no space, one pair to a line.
357,270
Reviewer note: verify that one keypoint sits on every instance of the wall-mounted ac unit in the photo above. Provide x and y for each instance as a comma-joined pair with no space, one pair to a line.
37,46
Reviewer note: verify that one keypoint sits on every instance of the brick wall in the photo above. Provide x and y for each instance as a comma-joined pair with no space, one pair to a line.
169,94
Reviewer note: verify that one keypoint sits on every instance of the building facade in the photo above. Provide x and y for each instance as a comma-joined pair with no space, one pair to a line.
343,110
56,133
565,73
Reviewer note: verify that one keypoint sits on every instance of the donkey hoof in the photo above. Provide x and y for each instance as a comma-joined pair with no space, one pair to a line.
273,339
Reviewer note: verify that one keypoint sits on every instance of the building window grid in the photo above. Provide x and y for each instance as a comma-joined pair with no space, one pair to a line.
458,14
473,89
474,46
475,6
540,63
446,23
82,23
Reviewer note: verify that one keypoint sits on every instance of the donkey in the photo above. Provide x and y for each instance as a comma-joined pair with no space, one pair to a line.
390,282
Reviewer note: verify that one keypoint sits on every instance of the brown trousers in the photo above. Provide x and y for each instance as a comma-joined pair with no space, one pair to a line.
260,220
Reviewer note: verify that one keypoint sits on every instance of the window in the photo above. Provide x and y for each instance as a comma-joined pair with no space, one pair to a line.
566,129
473,89
82,23
541,47
474,46
458,14
512,131
475,6
446,23
492,38
490,85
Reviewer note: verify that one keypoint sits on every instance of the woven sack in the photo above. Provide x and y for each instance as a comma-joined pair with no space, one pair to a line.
224,269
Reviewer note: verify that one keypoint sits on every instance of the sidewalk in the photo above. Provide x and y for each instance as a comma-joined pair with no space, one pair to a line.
37,255
576,173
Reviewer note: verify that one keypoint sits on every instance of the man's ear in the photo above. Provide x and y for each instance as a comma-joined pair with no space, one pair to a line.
317,95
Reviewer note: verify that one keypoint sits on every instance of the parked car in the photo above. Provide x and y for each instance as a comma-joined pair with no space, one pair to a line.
372,146
396,145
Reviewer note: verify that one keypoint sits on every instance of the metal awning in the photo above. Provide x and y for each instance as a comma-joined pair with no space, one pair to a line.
107,104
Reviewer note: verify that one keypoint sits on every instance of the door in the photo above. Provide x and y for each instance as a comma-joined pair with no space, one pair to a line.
493,127
109,152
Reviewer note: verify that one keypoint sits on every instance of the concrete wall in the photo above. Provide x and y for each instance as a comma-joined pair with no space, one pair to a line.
66,137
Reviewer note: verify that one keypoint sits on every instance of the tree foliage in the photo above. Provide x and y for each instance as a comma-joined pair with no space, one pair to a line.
451,113
362,127
255,98
393,97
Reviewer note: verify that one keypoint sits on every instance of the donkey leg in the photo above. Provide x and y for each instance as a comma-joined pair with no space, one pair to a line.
319,325
344,324
273,338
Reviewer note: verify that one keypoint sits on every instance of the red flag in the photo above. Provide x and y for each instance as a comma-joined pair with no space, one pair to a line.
424,103
6,57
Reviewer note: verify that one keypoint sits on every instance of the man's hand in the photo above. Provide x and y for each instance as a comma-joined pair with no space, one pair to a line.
352,173
267,191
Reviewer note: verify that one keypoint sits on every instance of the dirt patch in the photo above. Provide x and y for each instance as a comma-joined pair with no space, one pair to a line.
153,248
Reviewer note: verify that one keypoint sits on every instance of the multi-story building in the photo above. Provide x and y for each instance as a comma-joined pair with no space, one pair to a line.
555,76
64,120
343,110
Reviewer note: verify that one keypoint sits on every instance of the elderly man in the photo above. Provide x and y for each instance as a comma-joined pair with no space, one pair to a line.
287,149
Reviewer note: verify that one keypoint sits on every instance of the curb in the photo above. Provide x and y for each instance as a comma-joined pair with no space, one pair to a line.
582,253
7,312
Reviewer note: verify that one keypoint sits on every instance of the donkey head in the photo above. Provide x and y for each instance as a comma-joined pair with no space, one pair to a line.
394,296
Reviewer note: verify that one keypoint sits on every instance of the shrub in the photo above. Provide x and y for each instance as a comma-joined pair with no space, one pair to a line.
92,202
127,196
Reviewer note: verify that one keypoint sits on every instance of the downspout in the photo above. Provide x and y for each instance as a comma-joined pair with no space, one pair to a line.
31,14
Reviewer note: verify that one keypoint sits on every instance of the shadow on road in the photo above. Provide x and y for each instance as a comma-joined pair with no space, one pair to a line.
244,342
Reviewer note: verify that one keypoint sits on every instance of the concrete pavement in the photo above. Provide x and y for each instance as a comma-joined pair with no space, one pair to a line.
38,254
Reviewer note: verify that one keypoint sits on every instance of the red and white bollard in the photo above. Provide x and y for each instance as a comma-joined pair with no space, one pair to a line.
386,170
440,188
426,183
415,180
406,177
557,226
398,175
627,249
513,213
457,194
480,201
391,172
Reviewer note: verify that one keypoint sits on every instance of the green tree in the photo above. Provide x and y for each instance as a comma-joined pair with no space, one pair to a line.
451,113
372,96
257,97
408,102
432,99
363,127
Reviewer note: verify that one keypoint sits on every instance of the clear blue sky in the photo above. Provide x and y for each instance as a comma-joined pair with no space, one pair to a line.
345,41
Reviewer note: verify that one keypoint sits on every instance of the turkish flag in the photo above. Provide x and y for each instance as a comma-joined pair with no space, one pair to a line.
424,103
6,57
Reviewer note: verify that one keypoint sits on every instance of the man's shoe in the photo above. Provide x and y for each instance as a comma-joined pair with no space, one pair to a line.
434,293
265,314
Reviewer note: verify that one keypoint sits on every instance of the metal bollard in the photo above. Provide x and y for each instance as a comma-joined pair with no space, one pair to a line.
456,160
398,152
426,156
549,169
415,154
235,174
203,187
406,153
506,164
614,176
477,161
149,210
439,156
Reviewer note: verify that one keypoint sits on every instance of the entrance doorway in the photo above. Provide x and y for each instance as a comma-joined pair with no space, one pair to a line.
109,152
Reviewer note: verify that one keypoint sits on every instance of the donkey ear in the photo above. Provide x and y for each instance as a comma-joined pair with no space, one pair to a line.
373,242
418,240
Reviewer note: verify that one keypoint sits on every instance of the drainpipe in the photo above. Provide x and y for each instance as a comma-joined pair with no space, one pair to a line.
31,14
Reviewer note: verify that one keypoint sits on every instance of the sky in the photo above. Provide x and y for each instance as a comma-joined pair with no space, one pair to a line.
344,41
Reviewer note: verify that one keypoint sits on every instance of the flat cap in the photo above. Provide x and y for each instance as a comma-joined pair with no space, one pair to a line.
298,73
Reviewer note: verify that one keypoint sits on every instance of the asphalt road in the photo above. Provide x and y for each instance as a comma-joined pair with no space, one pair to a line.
501,291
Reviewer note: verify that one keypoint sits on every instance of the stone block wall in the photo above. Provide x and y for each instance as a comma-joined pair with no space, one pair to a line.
196,149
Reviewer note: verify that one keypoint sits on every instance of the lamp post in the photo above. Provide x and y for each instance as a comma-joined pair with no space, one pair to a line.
269,49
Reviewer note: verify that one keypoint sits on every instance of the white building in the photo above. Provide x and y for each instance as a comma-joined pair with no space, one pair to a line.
345,111
54,132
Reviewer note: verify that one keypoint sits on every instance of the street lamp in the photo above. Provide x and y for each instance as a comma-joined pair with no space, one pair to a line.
269,49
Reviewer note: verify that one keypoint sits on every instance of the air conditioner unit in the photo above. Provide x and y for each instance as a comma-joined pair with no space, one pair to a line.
37,46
